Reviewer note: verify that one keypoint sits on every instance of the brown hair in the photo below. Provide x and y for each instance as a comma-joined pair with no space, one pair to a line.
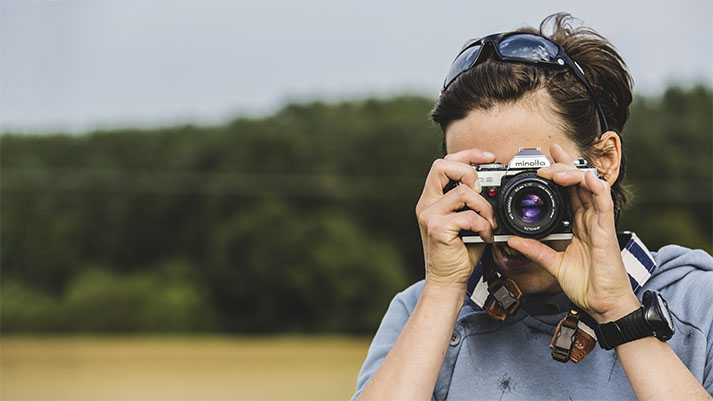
496,82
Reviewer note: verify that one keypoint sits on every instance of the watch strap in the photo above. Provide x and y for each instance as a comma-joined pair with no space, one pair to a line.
629,328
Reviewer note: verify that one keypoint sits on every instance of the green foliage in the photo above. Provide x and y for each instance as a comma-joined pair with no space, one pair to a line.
281,270
301,221
164,298
26,309
669,141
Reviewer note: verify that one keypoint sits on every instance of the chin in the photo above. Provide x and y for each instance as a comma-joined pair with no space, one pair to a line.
530,277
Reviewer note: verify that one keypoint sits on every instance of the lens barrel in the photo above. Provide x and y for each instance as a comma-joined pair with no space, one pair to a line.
530,206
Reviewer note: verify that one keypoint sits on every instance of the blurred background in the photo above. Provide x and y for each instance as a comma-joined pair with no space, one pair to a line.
214,199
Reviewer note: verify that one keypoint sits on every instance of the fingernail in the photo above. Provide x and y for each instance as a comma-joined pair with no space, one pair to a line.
488,154
493,225
478,188
562,173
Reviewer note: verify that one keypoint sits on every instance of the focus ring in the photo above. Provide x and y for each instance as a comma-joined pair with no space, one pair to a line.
523,199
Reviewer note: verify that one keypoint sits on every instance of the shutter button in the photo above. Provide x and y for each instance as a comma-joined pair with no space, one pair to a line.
455,338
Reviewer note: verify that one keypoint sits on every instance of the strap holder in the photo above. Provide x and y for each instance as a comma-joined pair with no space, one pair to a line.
505,298
505,295
572,342
565,336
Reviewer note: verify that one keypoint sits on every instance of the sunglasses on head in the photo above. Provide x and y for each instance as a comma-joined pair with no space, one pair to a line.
524,48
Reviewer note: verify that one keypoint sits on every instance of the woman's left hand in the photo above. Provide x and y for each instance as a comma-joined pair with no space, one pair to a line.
590,270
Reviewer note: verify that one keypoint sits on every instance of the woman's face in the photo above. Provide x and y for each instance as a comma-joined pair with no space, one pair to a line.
503,130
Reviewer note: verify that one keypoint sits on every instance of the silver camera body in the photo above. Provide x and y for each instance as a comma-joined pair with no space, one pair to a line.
525,205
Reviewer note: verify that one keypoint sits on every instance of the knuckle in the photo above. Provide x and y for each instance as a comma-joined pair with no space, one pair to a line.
481,203
435,228
420,208
480,223
463,190
421,216
440,238
473,217
472,174
605,185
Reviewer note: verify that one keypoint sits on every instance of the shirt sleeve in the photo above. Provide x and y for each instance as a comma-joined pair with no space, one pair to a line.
389,330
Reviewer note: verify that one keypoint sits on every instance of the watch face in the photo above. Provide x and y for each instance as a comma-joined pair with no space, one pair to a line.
663,323
663,310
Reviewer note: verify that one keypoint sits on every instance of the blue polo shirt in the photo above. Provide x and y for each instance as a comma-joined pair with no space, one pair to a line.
511,360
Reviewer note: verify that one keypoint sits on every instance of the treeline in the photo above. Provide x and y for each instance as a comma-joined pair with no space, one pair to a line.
302,221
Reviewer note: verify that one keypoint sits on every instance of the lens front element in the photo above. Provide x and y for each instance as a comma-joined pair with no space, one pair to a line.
530,206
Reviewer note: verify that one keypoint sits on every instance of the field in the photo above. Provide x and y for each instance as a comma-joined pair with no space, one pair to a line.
179,368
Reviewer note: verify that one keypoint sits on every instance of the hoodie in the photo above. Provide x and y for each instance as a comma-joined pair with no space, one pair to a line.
511,359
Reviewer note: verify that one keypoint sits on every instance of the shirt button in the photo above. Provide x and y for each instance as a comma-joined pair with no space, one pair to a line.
455,339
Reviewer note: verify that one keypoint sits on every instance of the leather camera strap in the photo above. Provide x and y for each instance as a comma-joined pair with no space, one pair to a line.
505,295
500,297
570,341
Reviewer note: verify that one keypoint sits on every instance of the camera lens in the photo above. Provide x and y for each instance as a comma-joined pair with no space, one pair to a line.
530,206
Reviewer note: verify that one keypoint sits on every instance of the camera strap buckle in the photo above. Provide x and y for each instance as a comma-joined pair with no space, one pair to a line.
505,295
570,343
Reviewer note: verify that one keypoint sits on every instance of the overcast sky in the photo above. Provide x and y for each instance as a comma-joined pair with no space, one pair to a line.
79,65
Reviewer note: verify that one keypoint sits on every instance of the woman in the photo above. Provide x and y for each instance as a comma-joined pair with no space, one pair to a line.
568,95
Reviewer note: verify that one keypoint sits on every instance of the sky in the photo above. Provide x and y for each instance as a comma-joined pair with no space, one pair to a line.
75,66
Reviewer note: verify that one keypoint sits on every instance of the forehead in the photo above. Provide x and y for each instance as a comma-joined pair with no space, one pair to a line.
505,128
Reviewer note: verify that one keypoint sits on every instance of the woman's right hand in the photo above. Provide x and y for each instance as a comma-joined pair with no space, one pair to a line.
441,218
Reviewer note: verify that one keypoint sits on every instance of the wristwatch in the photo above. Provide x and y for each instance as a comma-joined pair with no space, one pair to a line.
652,319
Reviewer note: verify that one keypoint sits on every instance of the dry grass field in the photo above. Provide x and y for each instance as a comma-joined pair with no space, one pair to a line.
179,368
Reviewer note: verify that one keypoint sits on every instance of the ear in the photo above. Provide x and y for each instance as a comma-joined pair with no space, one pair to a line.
609,150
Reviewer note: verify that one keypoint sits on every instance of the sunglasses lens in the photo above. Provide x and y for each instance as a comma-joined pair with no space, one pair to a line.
462,63
528,47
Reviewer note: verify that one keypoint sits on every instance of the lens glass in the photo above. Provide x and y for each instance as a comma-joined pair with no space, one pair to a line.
464,61
530,207
528,47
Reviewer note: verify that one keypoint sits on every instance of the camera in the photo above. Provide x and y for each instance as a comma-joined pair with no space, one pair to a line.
525,205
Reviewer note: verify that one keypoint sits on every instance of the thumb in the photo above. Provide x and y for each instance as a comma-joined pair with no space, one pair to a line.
475,252
535,251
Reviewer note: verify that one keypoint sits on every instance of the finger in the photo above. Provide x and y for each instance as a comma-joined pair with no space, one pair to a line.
575,179
475,252
574,199
601,193
571,177
559,155
548,172
470,220
444,171
471,156
536,251
585,196
464,197
445,228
